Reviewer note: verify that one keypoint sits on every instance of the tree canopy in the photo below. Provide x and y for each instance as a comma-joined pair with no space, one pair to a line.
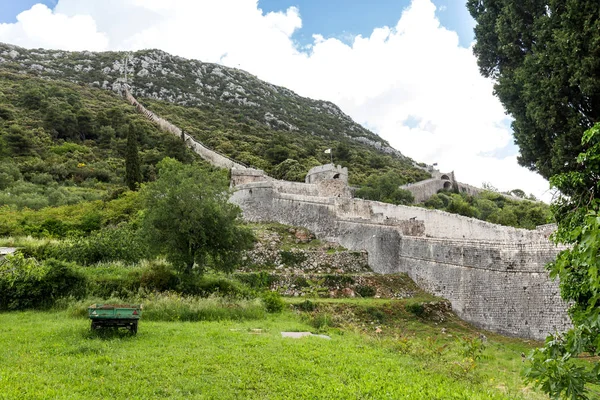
189,219
545,58
577,211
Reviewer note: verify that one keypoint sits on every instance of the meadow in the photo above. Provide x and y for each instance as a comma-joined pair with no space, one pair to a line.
379,349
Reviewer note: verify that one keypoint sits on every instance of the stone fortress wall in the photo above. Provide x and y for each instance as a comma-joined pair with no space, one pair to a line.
493,275
211,156
423,190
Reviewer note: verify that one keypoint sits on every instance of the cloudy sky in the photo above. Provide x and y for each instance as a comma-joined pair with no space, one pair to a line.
402,68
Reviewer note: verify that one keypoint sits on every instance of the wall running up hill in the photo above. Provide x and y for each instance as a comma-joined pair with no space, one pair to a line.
211,156
493,275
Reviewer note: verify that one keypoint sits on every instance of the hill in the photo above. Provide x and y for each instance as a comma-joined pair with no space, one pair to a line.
228,109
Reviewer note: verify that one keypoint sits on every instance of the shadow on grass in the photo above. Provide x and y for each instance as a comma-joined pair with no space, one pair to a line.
109,333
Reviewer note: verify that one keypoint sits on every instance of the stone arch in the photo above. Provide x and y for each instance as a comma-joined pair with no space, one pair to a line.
447,185
445,177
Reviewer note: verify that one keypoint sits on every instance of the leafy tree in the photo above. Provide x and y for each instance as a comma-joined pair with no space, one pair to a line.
386,188
554,367
188,217
133,174
289,170
544,56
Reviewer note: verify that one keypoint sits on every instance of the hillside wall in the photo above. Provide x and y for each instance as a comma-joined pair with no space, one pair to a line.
493,275
211,156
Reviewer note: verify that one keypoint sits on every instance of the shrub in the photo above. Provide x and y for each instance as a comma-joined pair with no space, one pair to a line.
306,306
292,258
273,302
110,244
207,285
259,280
158,276
27,283
365,291
415,308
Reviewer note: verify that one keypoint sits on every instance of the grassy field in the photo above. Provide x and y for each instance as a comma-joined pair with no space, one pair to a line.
50,355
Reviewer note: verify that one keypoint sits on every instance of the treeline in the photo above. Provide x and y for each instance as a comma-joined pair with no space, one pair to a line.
493,207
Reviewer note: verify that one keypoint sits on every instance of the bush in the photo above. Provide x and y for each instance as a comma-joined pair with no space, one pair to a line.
365,291
26,283
273,302
110,244
207,285
306,306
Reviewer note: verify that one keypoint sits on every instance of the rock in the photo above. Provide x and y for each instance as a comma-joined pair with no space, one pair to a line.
347,292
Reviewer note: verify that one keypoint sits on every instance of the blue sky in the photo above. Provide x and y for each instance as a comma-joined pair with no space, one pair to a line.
342,18
330,18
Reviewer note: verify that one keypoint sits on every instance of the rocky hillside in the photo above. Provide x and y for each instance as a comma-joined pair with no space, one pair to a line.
157,75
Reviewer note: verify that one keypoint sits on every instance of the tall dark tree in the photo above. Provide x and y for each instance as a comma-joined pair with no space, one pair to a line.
133,174
545,58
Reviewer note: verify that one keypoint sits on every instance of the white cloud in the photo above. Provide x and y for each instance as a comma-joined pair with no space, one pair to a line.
40,27
414,71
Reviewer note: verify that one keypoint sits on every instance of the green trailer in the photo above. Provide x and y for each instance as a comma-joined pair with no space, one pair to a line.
115,315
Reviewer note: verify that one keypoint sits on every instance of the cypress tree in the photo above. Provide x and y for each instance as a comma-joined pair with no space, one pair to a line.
133,174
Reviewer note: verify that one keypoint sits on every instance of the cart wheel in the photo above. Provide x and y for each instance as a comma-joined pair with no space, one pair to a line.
95,325
133,328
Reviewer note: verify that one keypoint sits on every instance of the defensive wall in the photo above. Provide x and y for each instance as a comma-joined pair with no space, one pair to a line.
493,275
423,190
207,154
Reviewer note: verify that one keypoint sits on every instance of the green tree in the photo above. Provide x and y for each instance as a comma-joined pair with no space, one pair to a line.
544,56
133,174
554,367
386,188
189,219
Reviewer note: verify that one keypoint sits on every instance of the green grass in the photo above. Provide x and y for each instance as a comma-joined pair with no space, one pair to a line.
50,355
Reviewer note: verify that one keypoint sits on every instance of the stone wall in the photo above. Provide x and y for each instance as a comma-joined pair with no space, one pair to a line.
327,172
211,156
493,275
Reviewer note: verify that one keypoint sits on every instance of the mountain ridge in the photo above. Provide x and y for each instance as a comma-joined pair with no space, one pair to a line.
155,74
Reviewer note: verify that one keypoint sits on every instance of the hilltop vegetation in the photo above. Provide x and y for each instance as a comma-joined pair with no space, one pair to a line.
493,207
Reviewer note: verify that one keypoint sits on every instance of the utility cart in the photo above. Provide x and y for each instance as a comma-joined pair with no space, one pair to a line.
115,315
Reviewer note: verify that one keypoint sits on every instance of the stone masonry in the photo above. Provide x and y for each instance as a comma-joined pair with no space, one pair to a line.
493,275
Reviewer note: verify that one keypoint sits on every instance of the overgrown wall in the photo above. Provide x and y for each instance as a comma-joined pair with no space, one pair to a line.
493,275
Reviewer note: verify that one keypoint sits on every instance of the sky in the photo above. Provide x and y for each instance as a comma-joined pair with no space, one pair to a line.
402,68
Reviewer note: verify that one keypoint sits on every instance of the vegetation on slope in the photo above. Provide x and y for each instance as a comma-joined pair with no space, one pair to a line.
63,144
493,207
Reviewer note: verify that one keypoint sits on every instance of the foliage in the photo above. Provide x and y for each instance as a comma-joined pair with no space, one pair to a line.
120,243
69,220
493,207
189,219
544,56
365,291
273,302
65,144
133,174
386,188
27,283
554,367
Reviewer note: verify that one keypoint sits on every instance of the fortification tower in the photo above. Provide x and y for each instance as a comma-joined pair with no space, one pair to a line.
327,172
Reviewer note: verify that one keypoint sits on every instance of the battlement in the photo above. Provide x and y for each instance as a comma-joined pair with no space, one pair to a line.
327,172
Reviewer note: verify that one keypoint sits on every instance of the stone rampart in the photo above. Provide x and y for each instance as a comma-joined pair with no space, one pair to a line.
493,275
211,156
